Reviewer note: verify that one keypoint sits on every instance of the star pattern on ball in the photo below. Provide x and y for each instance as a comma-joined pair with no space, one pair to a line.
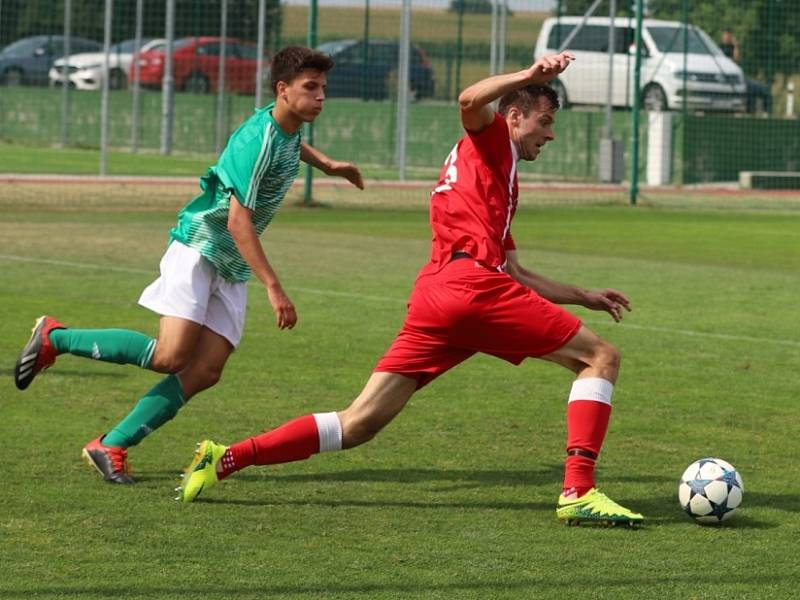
729,477
719,510
698,486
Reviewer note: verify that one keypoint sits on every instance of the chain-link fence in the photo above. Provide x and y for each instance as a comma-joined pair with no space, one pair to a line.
715,85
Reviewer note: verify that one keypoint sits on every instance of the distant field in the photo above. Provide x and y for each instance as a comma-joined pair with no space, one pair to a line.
427,25
455,499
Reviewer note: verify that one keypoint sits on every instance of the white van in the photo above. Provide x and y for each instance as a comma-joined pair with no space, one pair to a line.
713,81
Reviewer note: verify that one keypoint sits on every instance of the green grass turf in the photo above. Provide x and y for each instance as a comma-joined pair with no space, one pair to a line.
455,499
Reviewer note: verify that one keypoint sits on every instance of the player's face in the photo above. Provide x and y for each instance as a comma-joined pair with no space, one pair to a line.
305,94
533,131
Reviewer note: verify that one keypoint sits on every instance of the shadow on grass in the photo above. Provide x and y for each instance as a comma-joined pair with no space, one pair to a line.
460,478
665,511
660,510
74,373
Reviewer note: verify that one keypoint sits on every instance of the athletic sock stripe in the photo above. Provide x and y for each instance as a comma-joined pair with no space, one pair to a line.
592,388
148,354
329,429
581,452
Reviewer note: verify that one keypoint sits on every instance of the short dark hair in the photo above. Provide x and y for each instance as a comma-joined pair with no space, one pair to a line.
527,98
289,62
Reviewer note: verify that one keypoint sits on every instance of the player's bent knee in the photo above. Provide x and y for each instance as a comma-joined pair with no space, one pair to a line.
607,358
170,362
209,378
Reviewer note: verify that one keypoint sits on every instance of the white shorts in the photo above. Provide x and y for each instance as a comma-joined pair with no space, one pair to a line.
190,288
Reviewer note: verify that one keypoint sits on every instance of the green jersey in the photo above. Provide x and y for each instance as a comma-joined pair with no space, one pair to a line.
258,166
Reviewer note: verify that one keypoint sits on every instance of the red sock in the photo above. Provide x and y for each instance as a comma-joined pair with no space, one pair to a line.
587,423
295,440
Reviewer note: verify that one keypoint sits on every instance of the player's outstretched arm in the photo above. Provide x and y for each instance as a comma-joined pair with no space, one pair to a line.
475,100
611,301
240,226
316,158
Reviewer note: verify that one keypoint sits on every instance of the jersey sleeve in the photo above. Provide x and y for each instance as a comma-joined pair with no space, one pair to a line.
492,142
243,164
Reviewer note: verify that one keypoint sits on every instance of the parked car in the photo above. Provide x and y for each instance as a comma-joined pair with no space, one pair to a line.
28,60
356,75
196,65
84,71
713,81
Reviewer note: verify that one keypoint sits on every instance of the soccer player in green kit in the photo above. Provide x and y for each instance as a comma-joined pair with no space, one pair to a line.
213,250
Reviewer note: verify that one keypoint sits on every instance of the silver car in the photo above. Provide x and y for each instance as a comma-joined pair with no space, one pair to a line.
85,71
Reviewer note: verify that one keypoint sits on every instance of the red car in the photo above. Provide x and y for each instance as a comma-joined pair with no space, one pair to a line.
196,65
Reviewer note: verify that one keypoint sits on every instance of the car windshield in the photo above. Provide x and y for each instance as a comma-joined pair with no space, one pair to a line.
669,38
333,48
23,47
157,47
182,43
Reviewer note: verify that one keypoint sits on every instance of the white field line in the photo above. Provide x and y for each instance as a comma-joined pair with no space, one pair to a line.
335,293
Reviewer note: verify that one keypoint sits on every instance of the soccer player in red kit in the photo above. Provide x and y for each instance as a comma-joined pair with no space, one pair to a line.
473,296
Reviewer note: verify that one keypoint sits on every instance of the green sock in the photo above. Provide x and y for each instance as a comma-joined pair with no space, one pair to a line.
155,408
121,346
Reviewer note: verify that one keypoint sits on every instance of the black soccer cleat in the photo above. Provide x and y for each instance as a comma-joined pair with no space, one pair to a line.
110,461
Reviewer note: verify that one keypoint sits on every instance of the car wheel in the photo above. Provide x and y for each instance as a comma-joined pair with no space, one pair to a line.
561,92
117,80
12,77
196,83
654,99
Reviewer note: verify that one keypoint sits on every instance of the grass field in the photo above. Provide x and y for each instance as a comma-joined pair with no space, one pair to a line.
455,499
427,25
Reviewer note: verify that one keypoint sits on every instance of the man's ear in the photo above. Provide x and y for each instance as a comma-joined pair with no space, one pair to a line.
280,89
514,115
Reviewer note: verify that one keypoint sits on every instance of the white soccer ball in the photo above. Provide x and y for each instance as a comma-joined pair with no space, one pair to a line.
710,490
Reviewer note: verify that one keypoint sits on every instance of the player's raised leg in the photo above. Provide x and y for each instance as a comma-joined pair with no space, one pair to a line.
596,363
384,395
51,338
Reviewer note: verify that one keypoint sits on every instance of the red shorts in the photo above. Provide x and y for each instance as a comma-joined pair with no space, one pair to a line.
466,308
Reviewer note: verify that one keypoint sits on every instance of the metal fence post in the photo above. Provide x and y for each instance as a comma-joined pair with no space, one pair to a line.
262,16
634,191
104,115
137,105
65,73
168,83
403,71
493,41
501,39
459,45
223,33
311,40
365,54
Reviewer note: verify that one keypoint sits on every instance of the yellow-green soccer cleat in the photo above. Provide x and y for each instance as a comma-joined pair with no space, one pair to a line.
595,507
201,474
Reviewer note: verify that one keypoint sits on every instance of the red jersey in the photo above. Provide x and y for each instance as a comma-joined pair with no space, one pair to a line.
475,199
